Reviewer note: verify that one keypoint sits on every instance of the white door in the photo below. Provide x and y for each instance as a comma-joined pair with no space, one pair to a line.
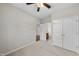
57,32
43,31
70,31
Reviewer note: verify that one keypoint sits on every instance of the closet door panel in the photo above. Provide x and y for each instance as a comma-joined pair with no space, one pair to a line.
69,31
57,32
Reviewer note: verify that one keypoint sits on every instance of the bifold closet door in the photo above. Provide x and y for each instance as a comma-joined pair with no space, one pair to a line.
70,33
57,32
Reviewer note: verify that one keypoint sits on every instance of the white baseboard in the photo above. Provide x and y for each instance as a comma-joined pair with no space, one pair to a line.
77,52
67,49
14,50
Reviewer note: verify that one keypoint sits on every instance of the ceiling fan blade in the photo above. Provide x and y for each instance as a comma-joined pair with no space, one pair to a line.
30,3
38,9
46,5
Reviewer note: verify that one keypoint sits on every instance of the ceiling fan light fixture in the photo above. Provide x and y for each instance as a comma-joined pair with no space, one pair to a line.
40,5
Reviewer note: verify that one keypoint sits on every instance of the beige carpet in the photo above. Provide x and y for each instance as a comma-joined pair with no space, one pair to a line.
43,49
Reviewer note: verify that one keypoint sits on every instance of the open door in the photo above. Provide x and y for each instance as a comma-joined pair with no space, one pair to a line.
37,38
47,36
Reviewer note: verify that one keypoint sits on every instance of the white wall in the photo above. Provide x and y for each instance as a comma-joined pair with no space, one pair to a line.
66,12
45,20
17,28
38,29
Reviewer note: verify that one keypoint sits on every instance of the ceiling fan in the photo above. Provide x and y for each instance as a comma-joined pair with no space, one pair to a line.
39,5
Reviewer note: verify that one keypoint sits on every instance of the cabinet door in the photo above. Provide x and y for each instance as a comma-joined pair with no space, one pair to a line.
57,32
70,31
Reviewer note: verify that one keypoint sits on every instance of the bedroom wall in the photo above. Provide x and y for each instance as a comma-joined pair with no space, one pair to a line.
66,12
45,20
17,28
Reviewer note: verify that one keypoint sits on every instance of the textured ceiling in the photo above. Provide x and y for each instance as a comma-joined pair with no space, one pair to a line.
44,12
